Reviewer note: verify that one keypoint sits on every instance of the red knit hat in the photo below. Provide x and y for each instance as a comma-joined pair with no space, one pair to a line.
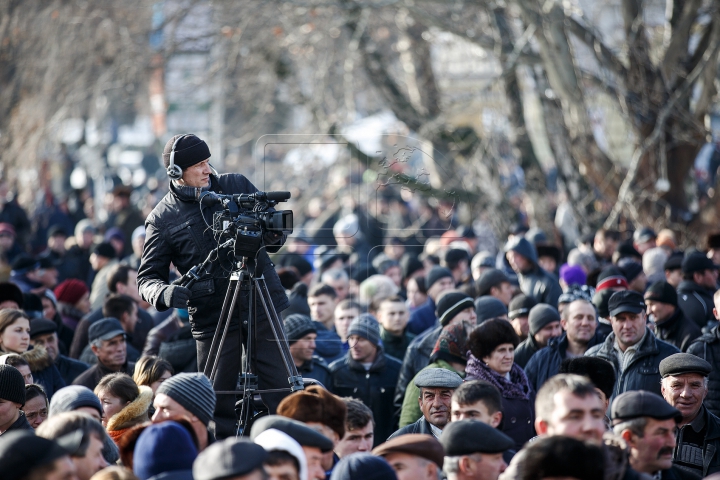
70,291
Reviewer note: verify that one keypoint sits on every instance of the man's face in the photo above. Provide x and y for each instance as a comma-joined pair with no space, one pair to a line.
659,310
475,411
36,411
26,373
521,326
281,471
551,330
411,467
579,321
685,392
129,320
166,407
64,470
443,284
322,308
393,316
6,241
8,410
643,247
48,277
130,288
503,292
435,405
707,278
467,316
303,349
547,263
395,274
654,451
314,456
518,262
92,462
581,418
485,466
673,277
341,286
343,319
359,440
361,349
638,283
629,328
112,353
198,175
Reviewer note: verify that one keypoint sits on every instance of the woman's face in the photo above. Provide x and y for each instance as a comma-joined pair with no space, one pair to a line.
110,404
49,309
156,384
501,359
83,305
16,336
36,411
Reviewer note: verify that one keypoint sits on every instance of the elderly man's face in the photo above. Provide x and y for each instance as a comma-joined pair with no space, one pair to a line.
685,392
654,450
435,405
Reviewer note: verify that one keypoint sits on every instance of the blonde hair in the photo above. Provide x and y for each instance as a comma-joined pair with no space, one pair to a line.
114,473
149,369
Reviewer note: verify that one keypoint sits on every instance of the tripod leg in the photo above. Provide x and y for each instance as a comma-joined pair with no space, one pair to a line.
220,327
294,377
225,322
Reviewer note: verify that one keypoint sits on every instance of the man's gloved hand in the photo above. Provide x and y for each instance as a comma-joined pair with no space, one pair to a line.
176,296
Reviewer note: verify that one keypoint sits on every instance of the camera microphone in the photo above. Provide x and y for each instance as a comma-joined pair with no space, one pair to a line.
278,196
211,198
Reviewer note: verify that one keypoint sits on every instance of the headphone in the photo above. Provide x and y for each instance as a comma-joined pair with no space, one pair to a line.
174,171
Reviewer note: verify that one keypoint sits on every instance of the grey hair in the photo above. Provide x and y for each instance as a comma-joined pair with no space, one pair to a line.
635,425
706,380
451,465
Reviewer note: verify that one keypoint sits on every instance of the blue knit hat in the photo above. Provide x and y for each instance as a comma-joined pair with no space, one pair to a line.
363,466
161,448
366,326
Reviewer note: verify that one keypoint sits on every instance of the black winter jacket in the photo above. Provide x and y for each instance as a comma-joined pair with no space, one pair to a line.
374,388
421,426
696,303
70,368
643,372
525,351
316,369
417,357
177,231
678,330
708,347
546,361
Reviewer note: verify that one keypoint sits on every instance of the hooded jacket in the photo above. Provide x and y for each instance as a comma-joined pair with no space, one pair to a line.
707,347
678,330
374,387
535,282
134,413
696,303
178,230
643,372
546,362
44,370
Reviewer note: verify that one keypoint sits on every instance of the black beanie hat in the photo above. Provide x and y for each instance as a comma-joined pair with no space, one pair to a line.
541,315
489,279
663,292
435,274
12,385
450,304
10,291
520,306
630,269
104,249
601,300
188,151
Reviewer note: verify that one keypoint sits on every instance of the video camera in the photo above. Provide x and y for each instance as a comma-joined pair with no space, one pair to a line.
247,217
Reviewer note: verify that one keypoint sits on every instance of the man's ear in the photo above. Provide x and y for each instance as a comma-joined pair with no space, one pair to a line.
495,419
94,349
628,437
541,426
465,465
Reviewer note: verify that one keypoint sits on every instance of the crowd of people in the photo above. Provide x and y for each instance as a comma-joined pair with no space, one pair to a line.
425,356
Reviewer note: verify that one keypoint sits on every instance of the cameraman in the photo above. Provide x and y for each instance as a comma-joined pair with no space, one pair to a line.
178,231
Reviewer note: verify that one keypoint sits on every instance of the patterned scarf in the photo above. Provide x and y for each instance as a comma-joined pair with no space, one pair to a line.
516,387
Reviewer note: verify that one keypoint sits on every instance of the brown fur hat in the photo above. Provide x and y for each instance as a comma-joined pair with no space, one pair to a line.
315,404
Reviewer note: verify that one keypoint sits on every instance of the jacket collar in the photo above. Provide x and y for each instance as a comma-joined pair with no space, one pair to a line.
648,347
377,365
688,286
192,194
671,325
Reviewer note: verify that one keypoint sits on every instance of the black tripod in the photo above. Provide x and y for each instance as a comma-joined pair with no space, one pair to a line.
243,279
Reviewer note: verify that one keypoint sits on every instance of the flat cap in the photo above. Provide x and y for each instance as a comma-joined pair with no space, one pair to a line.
626,301
489,279
41,326
420,444
680,363
466,437
644,234
233,457
641,403
301,433
437,378
105,329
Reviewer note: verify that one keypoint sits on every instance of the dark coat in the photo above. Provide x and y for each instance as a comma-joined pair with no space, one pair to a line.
546,362
374,388
423,318
711,445
525,351
708,347
316,369
20,424
44,371
395,346
643,373
328,343
678,330
536,282
70,368
417,357
92,376
176,232
421,426
696,303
